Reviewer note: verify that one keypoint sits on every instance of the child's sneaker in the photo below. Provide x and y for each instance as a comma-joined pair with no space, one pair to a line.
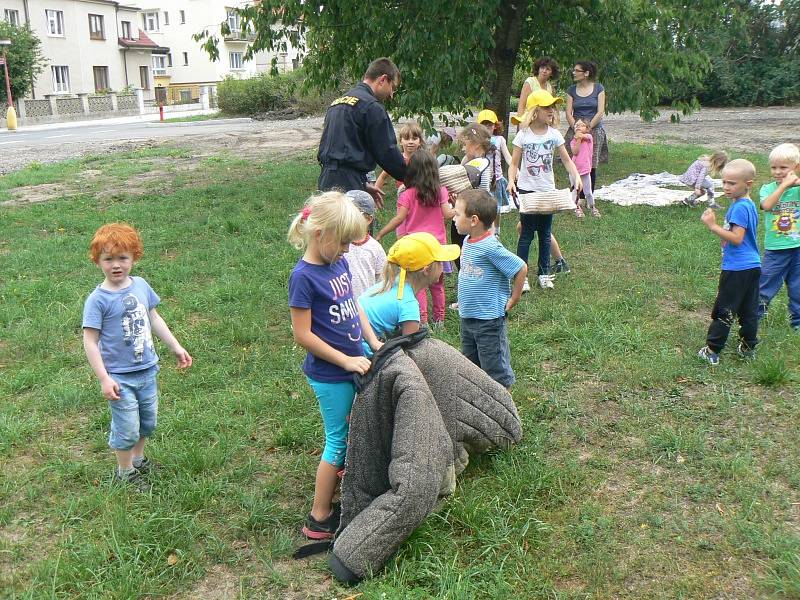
146,467
707,355
745,352
714,204
561,267
595,212
526,287
323,530
546,282
690,201
133,479
579,211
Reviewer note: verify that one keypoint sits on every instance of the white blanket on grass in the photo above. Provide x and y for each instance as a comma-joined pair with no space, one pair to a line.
660,189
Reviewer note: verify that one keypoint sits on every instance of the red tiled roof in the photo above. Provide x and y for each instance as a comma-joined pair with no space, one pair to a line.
142,42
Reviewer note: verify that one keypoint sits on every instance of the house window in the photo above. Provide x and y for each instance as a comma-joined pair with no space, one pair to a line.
236,60
186,96
101,79
144,78
183,17
126,30
150,21
11,16
185,59
60,79
233,21
159,64
96,27
169,59
55,22
166,18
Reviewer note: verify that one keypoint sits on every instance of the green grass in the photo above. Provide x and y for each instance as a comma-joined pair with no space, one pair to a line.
642,473
193,118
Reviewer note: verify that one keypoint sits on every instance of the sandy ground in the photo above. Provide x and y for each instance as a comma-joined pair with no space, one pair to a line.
753,129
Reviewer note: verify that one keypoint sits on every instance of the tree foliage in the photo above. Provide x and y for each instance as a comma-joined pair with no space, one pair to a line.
25,60
755,56
454,54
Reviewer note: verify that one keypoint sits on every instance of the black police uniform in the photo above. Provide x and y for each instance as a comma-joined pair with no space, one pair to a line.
357,134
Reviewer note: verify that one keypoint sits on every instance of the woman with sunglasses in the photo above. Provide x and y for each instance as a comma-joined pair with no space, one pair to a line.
586,100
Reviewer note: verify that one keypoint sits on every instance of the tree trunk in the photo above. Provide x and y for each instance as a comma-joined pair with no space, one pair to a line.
507,39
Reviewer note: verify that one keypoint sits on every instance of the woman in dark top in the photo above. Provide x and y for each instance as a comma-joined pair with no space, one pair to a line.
586,100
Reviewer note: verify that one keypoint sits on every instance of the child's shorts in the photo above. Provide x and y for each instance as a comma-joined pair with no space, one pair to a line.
501,192
133,416
335,401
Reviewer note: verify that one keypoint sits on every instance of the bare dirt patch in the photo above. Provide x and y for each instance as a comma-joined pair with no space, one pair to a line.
34,194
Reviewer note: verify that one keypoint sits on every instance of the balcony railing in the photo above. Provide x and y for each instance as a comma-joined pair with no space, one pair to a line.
240,36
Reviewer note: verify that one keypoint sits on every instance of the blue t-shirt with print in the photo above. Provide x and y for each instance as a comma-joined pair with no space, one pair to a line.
123,319
744,256
327,291
385,312
483,281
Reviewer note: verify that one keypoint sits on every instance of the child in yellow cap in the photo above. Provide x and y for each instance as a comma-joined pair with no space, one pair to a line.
414,262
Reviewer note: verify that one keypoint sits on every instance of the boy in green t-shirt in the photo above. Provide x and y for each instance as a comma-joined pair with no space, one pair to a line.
780,201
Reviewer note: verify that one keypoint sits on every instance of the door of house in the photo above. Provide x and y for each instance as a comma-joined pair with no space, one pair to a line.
161,95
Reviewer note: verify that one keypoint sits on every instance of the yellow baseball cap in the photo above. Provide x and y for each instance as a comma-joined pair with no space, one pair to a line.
487,115
416,251
535,99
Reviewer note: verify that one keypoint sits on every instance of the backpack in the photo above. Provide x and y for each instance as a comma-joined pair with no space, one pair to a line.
457,178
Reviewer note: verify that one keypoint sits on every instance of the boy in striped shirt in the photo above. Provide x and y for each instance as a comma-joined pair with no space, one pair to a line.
484,293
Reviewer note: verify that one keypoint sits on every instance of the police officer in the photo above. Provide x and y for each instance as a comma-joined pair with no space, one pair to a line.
358,133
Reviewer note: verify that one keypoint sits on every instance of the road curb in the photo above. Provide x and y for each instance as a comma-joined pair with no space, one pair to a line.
200,123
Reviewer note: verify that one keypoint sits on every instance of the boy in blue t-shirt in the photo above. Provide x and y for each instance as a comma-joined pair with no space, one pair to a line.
484,293
119,318
737,294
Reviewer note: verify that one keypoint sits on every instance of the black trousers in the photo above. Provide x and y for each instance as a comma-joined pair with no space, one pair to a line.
737,296
342,178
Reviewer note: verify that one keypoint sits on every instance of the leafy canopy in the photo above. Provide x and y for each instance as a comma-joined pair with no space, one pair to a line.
454,54
25,59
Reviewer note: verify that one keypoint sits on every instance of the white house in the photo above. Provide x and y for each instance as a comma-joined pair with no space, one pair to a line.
181,66
90,45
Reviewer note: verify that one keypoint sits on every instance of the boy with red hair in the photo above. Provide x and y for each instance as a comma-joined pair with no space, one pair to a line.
119,317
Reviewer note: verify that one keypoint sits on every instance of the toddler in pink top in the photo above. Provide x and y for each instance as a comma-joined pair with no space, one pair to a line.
424,206
582,149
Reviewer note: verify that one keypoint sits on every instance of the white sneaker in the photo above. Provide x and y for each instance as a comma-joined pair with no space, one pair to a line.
546,282
526,287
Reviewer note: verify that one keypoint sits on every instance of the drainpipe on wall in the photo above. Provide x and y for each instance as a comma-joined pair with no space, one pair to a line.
28,23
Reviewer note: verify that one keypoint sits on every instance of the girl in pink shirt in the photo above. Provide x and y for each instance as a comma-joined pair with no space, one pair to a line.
424,206
582,148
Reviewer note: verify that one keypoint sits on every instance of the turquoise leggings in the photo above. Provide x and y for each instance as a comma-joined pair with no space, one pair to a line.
335,401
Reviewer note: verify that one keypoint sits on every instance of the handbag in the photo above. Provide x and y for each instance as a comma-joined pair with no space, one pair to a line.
546,203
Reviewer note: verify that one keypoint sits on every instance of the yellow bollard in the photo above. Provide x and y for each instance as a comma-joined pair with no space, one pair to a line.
11,118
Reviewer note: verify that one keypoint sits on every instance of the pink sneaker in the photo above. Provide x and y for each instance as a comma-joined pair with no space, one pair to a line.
579,212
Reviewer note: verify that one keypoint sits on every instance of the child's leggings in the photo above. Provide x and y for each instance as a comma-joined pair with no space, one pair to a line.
531,225
437,295
588,192
335,401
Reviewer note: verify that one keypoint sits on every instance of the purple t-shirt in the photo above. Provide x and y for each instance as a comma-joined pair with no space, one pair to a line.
327,291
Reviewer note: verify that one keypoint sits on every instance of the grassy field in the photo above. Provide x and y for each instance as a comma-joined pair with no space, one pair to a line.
643,473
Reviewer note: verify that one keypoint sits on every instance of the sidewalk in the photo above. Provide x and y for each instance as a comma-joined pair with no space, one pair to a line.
146,118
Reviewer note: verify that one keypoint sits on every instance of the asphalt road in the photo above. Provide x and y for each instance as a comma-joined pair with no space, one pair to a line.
23,139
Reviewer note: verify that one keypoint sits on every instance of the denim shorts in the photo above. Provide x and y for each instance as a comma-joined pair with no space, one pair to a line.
485,343
133,416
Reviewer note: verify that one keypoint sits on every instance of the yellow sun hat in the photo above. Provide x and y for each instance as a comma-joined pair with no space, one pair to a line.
536,99
487,115
416,251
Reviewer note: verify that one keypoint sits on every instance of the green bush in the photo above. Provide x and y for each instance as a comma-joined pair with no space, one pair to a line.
266,92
